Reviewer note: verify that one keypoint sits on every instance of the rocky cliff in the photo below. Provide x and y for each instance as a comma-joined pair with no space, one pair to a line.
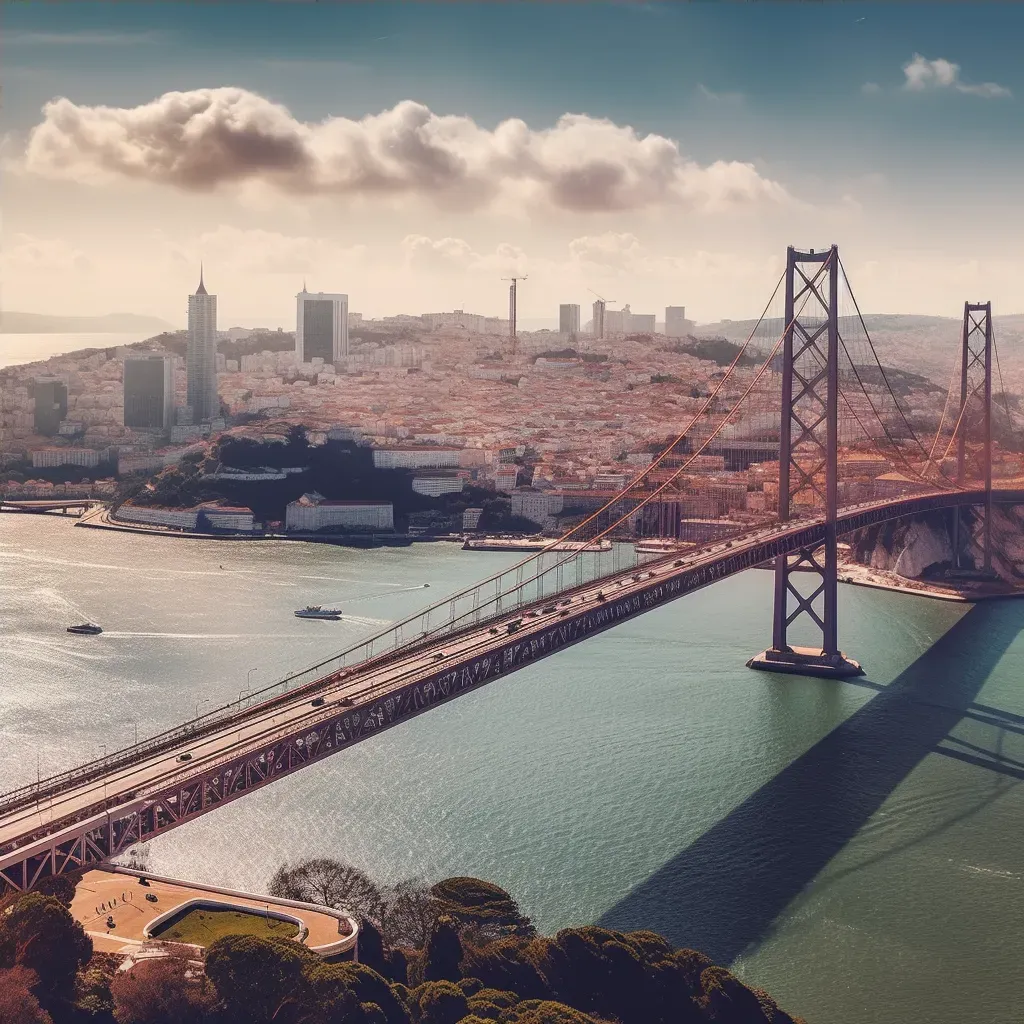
921,547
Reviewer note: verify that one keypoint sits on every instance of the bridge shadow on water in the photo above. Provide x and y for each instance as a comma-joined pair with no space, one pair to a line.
722,893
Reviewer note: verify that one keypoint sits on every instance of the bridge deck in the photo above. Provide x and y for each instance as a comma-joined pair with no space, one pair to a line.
55,829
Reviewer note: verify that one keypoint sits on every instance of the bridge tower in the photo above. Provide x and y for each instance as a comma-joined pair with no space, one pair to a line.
808,466
973,537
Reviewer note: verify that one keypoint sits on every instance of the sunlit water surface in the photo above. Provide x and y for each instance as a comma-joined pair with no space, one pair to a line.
855,848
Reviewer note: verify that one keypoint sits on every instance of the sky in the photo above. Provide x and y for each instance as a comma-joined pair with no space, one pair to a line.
412,155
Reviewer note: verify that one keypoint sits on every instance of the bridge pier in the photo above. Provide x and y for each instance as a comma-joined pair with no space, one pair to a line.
808,444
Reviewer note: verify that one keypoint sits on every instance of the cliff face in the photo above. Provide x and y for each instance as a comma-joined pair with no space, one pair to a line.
921,547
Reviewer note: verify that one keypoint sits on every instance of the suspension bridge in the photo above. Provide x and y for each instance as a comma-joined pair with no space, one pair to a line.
807,391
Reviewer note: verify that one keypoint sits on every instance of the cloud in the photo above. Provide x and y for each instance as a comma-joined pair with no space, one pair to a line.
871,89
921,74
456,254
84,38
28,254
209,138
255,251
733,98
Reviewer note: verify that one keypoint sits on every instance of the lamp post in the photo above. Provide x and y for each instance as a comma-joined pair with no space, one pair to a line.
199,703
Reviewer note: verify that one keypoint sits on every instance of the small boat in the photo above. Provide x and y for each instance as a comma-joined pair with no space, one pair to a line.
533,544
314,611
86,629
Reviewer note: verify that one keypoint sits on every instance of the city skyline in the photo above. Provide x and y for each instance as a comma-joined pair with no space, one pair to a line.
679,174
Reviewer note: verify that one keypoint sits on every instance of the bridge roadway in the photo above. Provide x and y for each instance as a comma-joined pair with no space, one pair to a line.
100,812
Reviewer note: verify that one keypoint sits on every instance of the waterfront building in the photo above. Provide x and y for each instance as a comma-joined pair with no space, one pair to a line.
471,518
321,326
539,506
314,512
435,486
48,458
505,478
201,360
51,404
149,393
676,324
416,458
569,320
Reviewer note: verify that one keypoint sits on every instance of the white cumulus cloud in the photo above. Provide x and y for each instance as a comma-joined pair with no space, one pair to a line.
208,138
921,74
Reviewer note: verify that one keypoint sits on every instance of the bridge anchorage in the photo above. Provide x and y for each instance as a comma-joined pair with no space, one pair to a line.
808,446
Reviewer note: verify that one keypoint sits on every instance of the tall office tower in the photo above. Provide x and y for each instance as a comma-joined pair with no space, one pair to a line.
51,397
321,326
598,323
149,393
201,362
569,320
676,325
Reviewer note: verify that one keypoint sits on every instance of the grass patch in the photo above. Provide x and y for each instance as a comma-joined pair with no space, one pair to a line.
202,925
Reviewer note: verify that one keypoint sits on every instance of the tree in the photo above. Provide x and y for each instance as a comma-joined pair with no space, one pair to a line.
331,883
438,1002
408,915
60,887
351,984
18,1004
508,965
255,977
544,1011
726,1000
164,991
443,953
476,903
40,934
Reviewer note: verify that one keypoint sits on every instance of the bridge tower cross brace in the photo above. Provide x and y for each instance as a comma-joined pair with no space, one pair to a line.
808,465
974,466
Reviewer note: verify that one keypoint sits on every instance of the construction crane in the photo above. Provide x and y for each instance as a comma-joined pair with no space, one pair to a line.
599,308
512,310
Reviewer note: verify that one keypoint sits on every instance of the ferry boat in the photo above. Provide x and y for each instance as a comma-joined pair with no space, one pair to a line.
656,546
314,611
86,629
532,544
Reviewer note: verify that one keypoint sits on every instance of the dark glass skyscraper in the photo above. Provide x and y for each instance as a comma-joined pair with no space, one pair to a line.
51,397
148,393
321,326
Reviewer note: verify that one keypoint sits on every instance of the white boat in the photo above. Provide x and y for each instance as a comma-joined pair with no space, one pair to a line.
655,546
314,611
533,544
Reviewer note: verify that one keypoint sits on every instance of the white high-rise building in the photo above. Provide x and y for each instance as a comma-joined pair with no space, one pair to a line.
569,320
676,324
598,321
321,326
201,360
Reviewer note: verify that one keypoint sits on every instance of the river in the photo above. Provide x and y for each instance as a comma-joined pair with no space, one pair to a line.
853,847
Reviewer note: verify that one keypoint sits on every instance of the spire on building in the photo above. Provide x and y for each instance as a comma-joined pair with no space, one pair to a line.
201,290
303,286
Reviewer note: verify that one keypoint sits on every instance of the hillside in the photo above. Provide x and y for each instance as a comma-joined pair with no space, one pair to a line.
923,345
12,322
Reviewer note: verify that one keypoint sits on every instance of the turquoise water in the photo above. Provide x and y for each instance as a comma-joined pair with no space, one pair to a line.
852,847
